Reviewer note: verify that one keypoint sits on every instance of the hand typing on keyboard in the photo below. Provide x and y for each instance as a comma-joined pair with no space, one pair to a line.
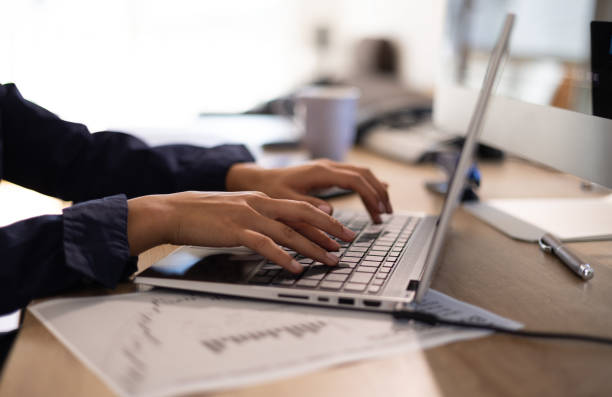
271,210
365,264
294,183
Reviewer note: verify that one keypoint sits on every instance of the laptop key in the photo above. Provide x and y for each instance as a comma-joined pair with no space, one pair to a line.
378,281
373,229
350,259
330,285
370,263
304,282
374,288
366,269
314,276
285,278
374,258
336,277
354,287
340,270
311,270
361,277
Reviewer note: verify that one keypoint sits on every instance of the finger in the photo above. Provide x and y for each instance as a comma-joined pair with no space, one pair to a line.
267,247
380,188
315,235
300,211
320,204
286,236
348,179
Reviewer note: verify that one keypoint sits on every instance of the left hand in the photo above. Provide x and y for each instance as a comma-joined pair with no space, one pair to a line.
295,182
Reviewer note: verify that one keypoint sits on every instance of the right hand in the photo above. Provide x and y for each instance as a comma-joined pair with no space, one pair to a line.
251,219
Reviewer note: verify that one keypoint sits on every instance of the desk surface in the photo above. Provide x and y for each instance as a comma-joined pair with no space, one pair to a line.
480,266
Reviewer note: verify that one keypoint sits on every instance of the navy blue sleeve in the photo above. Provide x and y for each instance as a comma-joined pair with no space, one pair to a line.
63,159
38,150
46,254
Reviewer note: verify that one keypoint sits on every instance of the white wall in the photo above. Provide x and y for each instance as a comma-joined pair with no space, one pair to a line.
117,62
416,25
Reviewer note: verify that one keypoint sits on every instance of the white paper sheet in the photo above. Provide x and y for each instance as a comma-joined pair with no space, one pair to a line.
161,343
570,219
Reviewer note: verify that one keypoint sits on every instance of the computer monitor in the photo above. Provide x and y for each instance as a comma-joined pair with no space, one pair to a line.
542,110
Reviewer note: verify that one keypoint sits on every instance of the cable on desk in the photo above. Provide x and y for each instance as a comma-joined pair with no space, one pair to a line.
432,319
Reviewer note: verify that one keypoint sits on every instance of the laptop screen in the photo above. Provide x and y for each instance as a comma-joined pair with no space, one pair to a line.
465,159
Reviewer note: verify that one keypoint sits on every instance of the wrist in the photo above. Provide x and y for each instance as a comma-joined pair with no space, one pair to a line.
244,176
149,222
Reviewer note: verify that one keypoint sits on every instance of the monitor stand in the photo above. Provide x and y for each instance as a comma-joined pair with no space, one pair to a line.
570,219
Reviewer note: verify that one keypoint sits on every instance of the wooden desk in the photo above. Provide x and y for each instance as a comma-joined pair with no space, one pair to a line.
480,266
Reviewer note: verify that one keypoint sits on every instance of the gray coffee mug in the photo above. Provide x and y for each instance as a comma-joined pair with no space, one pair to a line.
327,117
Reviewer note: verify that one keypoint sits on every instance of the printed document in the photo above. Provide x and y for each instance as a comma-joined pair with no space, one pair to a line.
161,343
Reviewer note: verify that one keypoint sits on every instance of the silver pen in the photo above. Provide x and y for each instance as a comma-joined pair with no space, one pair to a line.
551,244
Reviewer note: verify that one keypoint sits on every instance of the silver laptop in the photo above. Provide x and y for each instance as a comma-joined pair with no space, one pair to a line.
387,267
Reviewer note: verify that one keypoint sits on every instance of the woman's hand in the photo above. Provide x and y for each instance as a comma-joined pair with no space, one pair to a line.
296,182
251,219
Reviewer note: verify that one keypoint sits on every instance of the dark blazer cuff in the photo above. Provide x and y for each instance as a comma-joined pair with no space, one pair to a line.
95,240
207,168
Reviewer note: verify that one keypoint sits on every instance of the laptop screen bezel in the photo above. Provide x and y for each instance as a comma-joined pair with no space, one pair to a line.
457,183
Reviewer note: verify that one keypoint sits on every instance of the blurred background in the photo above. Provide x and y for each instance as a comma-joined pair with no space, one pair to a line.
126,62
152,67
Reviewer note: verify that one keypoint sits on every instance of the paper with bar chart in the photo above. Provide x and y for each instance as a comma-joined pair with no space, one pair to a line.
160,343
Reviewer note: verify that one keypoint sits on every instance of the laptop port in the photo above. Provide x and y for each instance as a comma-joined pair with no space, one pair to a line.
323,299
346,301
371,303
293,296
413,285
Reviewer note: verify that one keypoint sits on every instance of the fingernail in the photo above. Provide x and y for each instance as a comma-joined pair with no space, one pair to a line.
325,208
333,258
295,266
381,207
348,232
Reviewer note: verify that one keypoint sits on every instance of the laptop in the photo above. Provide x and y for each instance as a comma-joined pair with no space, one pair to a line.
387,267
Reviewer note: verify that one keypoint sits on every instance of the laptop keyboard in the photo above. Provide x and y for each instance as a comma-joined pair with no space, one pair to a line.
365,264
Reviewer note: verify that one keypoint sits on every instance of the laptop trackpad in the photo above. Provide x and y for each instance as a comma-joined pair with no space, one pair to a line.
205,264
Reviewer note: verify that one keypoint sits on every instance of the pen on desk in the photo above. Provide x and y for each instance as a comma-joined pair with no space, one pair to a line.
550,244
